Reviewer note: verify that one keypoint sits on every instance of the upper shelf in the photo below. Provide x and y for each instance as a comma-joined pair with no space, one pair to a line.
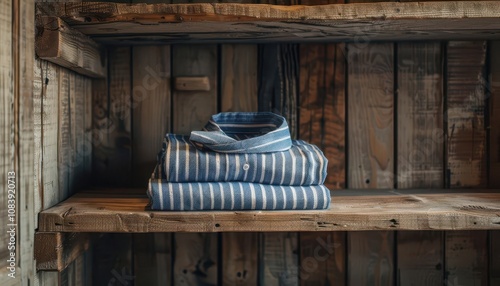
127,211
111,23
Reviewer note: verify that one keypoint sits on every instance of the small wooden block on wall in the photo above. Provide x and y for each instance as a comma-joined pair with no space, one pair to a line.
192,83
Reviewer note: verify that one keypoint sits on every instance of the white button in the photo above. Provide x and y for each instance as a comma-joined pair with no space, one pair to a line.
246,166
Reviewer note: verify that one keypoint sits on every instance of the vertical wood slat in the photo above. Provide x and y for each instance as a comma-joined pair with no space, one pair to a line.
112,138
6,120
278,259
420,154
494,158
196,259
24,110
65,94
151,113
494,257
322,105
150,107
465,251
370,137
112,260
239,93
466,160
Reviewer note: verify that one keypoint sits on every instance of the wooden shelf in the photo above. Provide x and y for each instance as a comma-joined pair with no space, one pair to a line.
112,23
119,210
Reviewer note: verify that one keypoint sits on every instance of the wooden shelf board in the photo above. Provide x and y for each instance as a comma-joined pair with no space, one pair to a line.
126,210
113,23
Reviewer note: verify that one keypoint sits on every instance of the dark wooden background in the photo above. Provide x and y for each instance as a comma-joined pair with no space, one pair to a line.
387,115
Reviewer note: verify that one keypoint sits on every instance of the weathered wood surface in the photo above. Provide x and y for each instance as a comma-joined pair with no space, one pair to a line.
494,257
466,258
279,264
150,108
152,258
58,43
199,83
322,105
240,258
113,255
123,210
420,154
466,141
54,251
140,23
494,102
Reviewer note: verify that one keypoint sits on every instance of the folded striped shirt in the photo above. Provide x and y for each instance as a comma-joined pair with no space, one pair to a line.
301,165
235,196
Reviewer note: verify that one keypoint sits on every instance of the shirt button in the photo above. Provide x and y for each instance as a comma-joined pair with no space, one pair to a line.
246,166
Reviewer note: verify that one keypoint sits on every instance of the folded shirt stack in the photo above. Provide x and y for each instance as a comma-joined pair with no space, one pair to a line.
240,161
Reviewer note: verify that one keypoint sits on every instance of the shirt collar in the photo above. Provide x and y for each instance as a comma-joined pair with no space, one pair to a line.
244,132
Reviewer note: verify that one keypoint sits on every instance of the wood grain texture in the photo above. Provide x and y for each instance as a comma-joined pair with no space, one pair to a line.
24,122
370,116
322,105
66,94
239,77
240,258
152,258
494,158
466,258
58,43
278,82
279,263
207,22
239,93
7,149
420,116
124,210
101,125
322,258
196,260
192,109
494,257
115,157
200,83
150,108
420,154
54,251
466,141
370,258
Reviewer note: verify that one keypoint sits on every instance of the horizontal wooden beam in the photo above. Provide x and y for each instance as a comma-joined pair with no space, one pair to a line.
122,210
58,43
201,83
54,251
113,23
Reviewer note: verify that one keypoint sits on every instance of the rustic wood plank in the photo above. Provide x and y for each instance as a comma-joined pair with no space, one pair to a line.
123,23
87,129
192,109
114,140
239,93
466,142
494,158
322,105
24,122
54,251
58,43
195,259
7,151
240,258
150,108
121,210
466,258
420,154
279,263
153,258
66,94
201,83
370,258
78,131
239,77
323,256
151,113
494,256
370,121
100,130
371,154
